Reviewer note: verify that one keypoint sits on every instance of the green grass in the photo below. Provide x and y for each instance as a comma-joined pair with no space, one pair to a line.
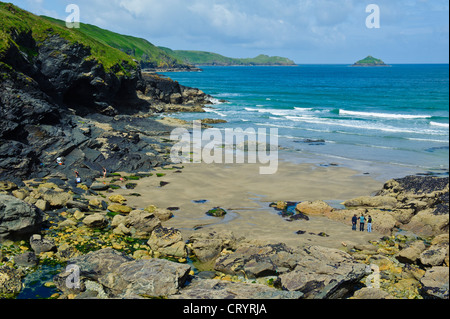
17,21
209,58
140,49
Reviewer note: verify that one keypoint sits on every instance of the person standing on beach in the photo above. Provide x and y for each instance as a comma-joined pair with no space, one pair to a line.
362,221
369,224
354,222
78,178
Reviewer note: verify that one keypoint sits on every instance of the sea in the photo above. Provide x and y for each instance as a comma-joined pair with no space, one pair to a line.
387,122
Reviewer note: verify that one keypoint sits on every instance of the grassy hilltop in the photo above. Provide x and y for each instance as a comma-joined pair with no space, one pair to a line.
16,21
208,58
142,50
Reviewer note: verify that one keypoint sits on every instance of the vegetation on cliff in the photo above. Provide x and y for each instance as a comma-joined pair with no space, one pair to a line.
209,58
149,55
17,23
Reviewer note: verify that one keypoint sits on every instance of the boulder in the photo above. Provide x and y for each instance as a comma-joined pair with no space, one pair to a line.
372,294
223,290
434,256
314,208
41,245
255,261
18,219
10,282
217,212
427,223
118,208
119,199
168,242
96,221
208,246
125,277
151,278
98,264
163,214
56,199
99,187
323,273
42,205
372,201
27,259
435,283
141,223
411,254
78,205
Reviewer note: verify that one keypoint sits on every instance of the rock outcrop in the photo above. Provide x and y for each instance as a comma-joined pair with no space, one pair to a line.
18,219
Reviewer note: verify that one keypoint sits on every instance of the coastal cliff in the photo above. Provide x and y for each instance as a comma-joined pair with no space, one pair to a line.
60,88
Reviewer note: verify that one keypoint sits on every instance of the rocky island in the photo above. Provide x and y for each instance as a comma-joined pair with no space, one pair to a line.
370,61
70,102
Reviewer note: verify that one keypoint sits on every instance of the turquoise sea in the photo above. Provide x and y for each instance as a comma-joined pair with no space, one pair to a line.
387,121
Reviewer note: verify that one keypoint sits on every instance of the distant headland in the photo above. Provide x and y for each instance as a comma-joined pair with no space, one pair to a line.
370,61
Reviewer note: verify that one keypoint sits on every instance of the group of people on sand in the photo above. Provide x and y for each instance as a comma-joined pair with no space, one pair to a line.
105,174
362,222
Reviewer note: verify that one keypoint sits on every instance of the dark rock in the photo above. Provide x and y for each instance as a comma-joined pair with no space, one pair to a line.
257,261
27,259
149,278
223,290
41,245
18,219
435,283
207,246
11,282
323,273
217,212
84,207
99,187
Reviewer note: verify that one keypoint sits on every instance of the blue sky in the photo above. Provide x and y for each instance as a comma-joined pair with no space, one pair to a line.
307,31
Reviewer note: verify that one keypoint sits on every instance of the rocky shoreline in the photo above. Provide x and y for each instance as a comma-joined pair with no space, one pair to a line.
127,252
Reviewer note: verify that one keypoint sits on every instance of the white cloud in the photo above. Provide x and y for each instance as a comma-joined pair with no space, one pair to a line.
266,26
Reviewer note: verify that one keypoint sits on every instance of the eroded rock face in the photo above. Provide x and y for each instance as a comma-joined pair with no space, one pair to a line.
323,273
125,277
435,283
222,290
167,242
257,261
207,246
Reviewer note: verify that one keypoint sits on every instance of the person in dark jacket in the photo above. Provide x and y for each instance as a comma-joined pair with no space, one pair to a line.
354,222
369,224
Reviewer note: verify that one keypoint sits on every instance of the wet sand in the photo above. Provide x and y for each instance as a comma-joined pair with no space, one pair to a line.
246,195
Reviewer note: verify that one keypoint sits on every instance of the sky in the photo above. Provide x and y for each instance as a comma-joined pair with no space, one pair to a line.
306,31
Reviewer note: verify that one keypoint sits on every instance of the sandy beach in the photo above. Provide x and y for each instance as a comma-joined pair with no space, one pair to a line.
246,195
